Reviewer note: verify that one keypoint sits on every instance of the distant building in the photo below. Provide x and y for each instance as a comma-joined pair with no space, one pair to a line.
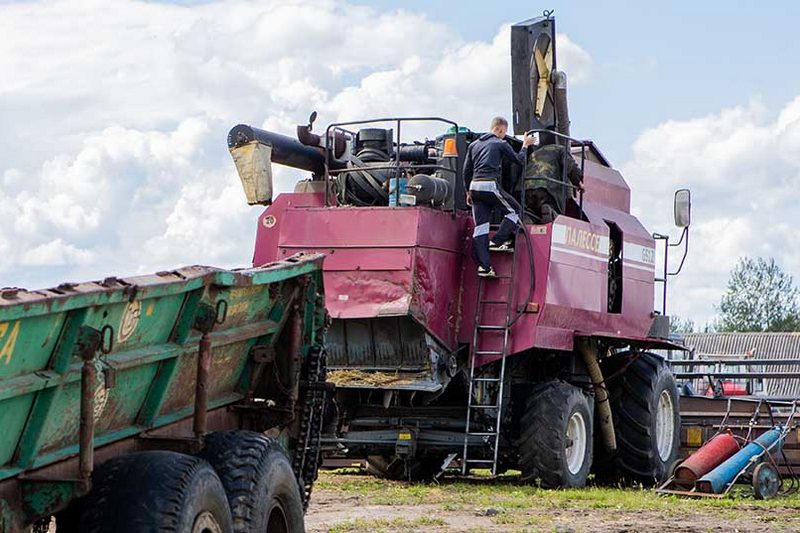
750,347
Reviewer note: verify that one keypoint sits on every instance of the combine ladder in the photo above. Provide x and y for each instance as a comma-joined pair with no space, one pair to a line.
492,385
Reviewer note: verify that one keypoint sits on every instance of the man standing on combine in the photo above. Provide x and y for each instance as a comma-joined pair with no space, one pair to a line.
546,189
482,174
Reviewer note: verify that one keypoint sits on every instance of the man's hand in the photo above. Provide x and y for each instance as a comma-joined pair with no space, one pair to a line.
527,141
469,198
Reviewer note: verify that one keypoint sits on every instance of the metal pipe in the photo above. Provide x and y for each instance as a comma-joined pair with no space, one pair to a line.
733,375
201,386
735,362
86,430
559,79
296,345
588,351
285,150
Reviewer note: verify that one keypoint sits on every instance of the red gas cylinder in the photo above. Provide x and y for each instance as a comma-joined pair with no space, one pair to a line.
709,456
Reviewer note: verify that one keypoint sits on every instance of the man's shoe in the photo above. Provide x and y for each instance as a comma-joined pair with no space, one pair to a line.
504,247
486,272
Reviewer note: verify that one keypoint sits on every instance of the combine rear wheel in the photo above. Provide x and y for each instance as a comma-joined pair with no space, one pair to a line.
644,405
555,446
262,489
156,491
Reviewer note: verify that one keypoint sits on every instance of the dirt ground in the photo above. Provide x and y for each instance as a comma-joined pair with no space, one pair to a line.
357,502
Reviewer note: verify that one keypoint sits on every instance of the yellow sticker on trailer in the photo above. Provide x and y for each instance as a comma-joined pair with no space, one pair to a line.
404,436
694,437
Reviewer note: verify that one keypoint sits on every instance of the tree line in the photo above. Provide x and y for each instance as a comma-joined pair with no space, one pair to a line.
759,296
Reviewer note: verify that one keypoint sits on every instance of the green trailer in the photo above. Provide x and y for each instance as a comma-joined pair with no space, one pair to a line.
186,400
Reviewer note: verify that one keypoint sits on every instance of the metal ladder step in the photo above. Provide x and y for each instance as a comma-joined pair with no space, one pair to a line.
491,327
483,406
487,380
488,353
483,434
482,461
494,302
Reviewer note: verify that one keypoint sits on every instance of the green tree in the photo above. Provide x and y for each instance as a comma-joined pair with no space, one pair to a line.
760,297
681,325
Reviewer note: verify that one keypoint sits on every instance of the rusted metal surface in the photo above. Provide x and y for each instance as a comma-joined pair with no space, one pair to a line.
86,437
201,386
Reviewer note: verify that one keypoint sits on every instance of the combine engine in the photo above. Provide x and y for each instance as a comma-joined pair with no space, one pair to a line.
545,368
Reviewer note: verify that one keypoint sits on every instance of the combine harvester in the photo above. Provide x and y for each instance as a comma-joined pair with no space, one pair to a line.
547,368
141,404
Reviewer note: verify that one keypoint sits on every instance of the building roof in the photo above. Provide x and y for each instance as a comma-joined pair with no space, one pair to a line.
756,346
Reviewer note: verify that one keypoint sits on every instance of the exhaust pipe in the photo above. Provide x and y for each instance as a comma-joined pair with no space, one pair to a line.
559,79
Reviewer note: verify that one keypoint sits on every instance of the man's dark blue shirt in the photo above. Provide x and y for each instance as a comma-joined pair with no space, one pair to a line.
485,158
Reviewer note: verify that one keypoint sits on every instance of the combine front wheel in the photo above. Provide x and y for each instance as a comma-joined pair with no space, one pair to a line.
555,446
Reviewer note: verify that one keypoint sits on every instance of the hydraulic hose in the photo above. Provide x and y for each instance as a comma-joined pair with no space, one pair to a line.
529,246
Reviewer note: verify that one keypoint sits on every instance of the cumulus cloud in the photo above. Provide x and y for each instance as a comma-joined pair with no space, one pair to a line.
112,154
741,166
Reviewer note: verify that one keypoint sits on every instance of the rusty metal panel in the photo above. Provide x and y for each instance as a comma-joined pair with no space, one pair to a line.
144,357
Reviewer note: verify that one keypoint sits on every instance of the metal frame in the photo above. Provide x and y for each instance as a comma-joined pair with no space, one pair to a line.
339,127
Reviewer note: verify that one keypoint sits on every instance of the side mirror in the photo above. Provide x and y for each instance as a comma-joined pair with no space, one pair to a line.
683,208
311,119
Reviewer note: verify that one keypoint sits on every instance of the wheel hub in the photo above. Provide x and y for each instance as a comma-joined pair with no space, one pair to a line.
665,425
206,523
575,443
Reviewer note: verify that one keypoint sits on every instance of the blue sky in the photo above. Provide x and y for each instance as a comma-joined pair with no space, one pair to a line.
653,61
112,152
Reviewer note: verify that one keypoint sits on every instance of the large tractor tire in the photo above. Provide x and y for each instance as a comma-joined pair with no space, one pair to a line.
156,492
262,489
555,444
421,469
644,406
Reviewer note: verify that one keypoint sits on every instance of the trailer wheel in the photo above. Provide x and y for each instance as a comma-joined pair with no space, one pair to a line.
555,445
644,405
257,475
394,468
156,491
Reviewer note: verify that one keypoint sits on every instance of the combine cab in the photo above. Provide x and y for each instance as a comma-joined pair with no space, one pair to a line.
545,368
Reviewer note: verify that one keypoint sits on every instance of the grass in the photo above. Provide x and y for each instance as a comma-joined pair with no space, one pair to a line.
378,524
526,506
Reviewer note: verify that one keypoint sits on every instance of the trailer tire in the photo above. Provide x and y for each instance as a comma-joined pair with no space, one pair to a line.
393,468
156,491
645,409
555,444
262,489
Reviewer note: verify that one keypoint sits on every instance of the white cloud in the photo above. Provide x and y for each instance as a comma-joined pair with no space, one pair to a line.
112,158
742,168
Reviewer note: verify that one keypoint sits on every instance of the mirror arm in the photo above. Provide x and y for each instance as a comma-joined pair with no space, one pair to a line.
685,234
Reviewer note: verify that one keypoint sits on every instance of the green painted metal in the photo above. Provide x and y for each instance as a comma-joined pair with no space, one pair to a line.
148,359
